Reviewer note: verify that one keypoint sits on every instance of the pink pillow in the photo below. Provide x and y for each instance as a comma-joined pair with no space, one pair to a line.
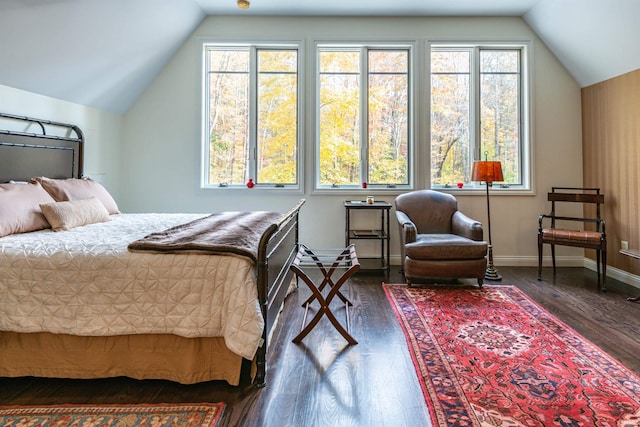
20,208
64,190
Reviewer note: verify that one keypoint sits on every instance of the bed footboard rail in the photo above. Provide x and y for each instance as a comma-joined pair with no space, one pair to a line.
276,251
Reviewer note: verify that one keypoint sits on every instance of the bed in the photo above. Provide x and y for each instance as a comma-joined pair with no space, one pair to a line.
86,294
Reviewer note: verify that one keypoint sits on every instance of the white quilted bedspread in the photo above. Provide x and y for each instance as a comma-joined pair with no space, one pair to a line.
85,282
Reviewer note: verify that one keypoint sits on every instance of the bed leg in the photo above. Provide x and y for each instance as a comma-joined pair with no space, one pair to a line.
260,381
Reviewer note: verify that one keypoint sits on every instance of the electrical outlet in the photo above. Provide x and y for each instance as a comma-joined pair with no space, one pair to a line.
624,245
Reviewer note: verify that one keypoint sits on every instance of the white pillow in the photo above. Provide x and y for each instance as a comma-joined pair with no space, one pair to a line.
74,213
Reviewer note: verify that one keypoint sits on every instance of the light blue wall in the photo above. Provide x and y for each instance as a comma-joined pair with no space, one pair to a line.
102,130
161,151
150,157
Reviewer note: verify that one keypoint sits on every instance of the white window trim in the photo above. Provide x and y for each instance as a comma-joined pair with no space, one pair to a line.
527,117
203,44
413,94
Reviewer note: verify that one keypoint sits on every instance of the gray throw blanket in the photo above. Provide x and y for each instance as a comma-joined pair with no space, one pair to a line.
221,233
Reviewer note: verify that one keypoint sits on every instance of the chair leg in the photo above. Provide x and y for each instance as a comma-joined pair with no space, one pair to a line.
539,261
598,257
480,282
553,259
604,271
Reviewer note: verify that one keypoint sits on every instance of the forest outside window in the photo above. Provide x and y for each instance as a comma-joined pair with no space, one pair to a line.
363,117
251,116
478,112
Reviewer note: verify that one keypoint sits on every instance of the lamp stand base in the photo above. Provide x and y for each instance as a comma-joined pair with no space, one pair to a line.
491,273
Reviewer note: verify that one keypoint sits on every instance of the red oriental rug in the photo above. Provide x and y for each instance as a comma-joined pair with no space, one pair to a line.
493,357
162,415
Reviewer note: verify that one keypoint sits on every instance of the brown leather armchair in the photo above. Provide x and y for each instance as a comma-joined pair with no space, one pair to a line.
437,241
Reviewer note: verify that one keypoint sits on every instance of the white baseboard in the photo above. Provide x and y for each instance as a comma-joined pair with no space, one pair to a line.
573,261
532,261
615,273
525,261
528,261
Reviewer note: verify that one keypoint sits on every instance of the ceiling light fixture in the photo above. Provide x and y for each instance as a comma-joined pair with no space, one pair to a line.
244,4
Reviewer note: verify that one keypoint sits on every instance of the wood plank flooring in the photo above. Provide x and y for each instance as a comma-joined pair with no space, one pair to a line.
325,382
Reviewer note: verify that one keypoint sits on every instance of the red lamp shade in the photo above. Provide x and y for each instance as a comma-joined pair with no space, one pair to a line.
487,171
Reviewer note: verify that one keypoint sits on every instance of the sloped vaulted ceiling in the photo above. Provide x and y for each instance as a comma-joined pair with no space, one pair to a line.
594,39
99,53
104,53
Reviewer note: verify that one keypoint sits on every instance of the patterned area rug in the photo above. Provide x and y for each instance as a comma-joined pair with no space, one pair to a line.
493,357
164,415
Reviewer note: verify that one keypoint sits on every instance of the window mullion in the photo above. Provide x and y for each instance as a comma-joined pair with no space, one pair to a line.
521,113
364,114
475,116
206,146
253,114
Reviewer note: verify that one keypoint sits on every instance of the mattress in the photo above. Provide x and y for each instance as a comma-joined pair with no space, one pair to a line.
85,282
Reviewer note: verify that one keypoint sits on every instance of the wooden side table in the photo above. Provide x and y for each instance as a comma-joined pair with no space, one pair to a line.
633,253
327,261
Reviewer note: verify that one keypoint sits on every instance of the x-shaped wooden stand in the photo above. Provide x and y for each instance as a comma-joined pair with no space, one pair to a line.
327,261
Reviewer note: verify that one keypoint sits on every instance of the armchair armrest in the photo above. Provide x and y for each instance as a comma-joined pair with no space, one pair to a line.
462,225
408,230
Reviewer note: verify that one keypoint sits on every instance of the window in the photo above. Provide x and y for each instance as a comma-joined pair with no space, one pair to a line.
477,112
363,116
251,116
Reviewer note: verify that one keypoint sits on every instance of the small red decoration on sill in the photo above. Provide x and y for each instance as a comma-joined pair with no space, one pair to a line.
460,184
364,185
250,183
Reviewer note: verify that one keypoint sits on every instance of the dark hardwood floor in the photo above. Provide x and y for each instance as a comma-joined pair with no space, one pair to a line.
325,382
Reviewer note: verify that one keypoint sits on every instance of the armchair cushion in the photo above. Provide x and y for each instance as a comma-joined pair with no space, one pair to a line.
576,236
445,246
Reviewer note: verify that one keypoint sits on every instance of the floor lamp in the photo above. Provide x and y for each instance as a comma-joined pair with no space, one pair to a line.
488,172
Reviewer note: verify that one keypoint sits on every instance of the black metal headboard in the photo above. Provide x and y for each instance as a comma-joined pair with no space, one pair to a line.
34,147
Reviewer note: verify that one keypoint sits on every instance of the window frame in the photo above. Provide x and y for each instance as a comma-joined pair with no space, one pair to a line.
253,47
412,93
526,158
